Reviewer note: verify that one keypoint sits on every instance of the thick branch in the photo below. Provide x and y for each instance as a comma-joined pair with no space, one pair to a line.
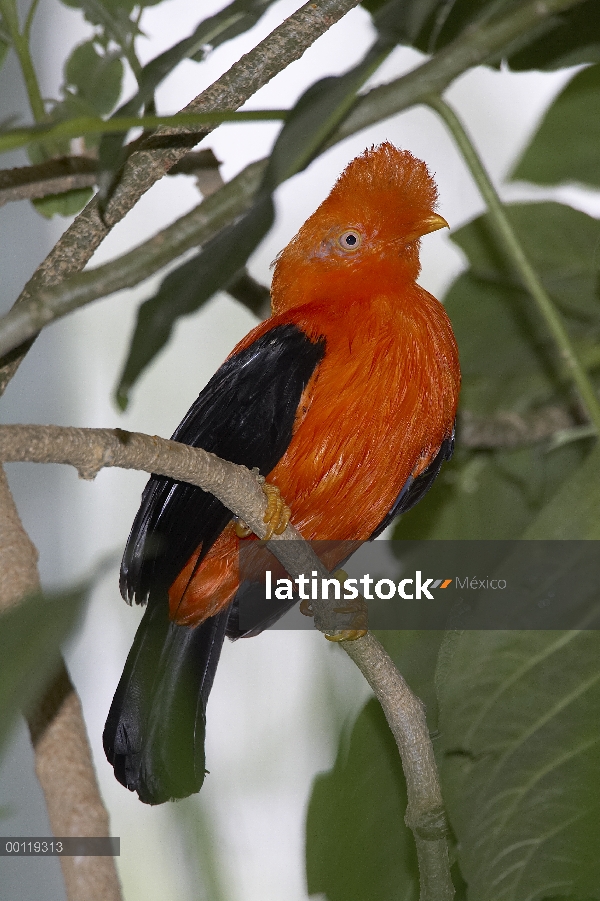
45,304
63,760
511,430
241,491
51,177
67,173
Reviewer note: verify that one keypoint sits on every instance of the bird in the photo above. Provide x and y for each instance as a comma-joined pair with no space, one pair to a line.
344,400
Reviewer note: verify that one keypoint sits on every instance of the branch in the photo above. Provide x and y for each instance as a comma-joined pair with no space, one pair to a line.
241,491
67,173
63,760
511,430
30,315
156,154
40,305
52,177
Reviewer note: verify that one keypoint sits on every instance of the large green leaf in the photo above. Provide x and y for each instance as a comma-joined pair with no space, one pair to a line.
573,39
565,146
95,77
429,25
561,244
520,758
507,358
357,844
358,847
574,511
30,637
491,494
504,354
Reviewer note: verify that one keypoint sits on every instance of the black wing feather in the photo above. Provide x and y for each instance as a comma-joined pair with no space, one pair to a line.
245,414
415,489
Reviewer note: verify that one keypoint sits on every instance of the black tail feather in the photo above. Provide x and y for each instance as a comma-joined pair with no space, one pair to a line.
154,733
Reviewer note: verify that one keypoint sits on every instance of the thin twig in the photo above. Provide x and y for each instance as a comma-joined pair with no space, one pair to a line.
241,491
515,253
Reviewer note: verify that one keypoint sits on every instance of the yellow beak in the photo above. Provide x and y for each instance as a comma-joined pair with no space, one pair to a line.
429,224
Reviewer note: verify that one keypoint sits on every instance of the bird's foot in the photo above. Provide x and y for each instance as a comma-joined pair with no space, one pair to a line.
277,515
358,610
241,529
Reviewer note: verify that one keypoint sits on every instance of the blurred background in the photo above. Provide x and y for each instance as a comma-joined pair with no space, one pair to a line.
280,700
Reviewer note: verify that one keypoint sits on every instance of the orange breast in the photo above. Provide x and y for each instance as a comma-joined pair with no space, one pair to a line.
376,411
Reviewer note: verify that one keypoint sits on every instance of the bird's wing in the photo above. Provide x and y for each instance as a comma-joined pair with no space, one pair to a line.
415,488
246,415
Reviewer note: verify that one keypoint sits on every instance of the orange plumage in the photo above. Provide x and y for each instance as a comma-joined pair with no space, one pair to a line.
344,399
384,398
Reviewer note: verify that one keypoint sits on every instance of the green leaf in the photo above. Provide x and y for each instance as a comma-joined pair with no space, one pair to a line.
520,761
357,844
561,244
69,203
574,511
316,114
504,354
565,146
112,17
491,494
574,39
94,77
507,358
187,288
4,48
567,39
30,637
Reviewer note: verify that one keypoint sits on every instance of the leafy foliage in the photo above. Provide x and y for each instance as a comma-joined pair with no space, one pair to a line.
357,845
234,19
567,39
553,156
520,756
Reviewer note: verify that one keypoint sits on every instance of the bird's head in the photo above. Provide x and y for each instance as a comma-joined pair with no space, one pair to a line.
365,233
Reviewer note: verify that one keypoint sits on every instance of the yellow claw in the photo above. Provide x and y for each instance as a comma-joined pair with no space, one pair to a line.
277,514
346,635
241,529
357,609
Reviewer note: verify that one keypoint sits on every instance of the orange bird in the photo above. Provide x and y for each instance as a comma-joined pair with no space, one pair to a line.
345,399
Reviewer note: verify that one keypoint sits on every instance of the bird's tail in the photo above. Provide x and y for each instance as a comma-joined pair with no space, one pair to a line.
154,733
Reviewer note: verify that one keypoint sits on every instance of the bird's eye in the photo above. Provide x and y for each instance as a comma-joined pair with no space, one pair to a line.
351,239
